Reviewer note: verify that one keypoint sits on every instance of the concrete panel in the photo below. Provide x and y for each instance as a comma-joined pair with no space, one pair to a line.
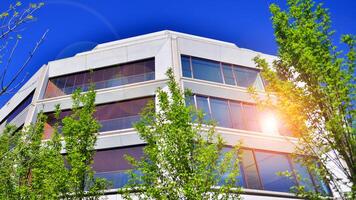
67,66
163,60
107,57
200,49
259,197
217,90
119,138
258,140
144,50
238,56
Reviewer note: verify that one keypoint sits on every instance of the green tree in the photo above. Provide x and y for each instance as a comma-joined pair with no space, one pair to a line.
31,168
80,134
314,86
183,157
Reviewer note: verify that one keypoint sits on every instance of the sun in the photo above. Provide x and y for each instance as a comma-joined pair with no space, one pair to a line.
269,123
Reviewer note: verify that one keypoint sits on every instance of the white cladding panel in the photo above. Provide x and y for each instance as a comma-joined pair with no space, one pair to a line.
220,52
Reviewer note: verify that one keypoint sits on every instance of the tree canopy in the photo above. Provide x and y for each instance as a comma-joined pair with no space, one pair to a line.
314,85
183,156
31,168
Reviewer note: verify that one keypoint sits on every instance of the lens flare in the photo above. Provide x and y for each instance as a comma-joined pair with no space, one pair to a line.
269,123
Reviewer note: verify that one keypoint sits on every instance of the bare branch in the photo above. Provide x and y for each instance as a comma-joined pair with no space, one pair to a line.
8,63
3,90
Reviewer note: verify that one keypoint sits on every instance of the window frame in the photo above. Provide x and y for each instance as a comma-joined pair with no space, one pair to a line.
221,65
92,76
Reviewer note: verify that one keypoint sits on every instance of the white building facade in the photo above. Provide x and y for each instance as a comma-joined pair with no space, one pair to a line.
126,74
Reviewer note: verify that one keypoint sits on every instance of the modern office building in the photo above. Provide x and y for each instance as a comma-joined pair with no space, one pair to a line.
126,74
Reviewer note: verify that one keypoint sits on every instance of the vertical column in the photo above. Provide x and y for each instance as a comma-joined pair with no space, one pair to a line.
39,93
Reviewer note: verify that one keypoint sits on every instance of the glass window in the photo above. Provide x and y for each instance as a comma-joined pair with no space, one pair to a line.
187,72
189,101
69,87
102,78
79,80
206,70
251,118
269,165
120,115
245,77
19,108
113,116
219,72
220,112
112,165
320,184
236,115
203,105
305,178
51,120
239,179
228,74
259,83
250,170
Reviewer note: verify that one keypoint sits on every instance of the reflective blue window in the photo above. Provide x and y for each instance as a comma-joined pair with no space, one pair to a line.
305,179
229,114
189,101
245,77
269,165
220,112
219,72
228,75
320,185
250,170
187,72
203,105
18,109
239,181
206,70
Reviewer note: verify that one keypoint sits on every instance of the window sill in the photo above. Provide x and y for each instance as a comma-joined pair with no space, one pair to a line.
211,83
99,91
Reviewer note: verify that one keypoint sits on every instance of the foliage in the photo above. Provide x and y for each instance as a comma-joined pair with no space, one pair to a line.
183,158
35,169
80,134
28,167
314,86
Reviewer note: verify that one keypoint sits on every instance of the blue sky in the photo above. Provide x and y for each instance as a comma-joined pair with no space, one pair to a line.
78,25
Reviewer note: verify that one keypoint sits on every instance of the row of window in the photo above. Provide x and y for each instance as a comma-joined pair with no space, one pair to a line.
117,75
259,169
121,115
112,116
230,114
219,72
19,108
144,70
